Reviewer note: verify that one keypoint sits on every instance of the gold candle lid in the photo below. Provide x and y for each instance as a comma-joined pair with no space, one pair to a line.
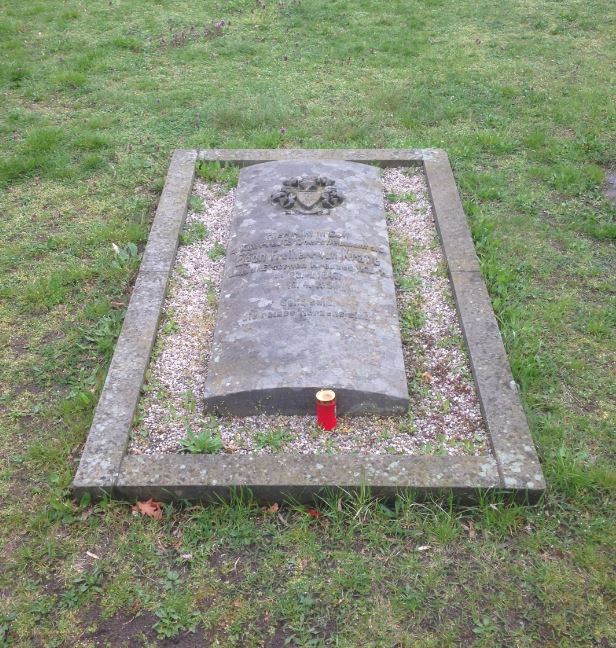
326,395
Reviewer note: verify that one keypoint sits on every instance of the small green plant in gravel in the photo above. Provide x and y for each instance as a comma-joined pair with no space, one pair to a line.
217,251
193,232
407,426
211,292
195,203
189,402
273,439
207,441
408,284
170,326
405,197
399,257
412,318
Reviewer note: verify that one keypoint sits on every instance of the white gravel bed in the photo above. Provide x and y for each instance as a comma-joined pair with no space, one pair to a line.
444,416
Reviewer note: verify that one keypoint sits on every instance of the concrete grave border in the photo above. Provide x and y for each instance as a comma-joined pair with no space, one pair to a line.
105,466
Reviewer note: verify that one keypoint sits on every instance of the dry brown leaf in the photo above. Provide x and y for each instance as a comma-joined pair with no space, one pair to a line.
150,507
271,509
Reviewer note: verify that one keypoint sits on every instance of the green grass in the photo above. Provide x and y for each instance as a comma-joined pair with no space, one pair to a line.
216,172
95,96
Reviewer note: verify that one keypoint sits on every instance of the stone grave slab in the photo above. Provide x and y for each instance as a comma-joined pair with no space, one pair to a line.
106,469
308,298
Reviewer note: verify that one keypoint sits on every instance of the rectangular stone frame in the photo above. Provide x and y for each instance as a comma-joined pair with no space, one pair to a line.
105,466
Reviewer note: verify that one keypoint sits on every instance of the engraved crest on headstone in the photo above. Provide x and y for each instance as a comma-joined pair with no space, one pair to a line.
308,195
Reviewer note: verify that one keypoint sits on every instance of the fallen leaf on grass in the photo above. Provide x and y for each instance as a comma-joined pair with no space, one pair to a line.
313,513
150,507
271,509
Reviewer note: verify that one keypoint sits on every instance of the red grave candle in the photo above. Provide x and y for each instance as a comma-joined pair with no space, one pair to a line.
326,409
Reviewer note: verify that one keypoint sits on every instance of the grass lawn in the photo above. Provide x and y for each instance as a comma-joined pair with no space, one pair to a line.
94,96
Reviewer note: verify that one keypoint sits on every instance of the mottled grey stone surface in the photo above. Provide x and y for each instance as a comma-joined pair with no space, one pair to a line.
159,254
307,299
302,477
450,220
382,157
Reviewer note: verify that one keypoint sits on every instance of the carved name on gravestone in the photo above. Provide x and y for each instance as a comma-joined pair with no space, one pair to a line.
307,298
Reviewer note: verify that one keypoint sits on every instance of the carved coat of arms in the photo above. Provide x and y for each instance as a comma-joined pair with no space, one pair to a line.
308,195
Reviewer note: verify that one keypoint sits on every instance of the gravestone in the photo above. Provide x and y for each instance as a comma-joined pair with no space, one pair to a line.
307,298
